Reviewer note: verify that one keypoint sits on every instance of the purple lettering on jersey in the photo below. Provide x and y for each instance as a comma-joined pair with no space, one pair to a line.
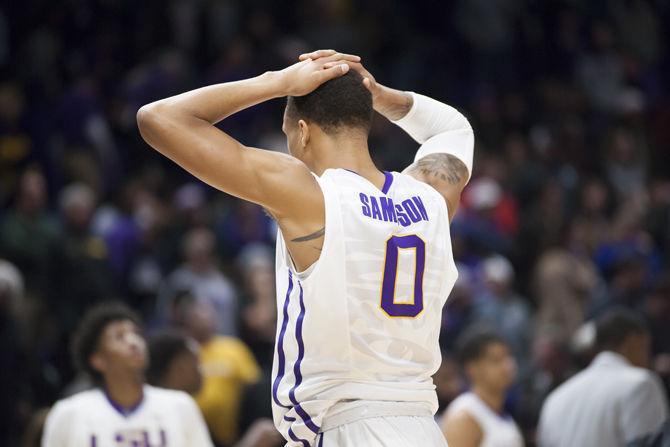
402,217
382,208
422,209
388,211
366,207
376,214
411,210
393,245
162,436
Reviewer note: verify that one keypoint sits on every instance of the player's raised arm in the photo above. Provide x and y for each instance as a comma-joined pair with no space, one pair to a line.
444,159
182,128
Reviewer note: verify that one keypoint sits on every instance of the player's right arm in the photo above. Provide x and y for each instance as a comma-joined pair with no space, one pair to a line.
183,128
461,430
444,159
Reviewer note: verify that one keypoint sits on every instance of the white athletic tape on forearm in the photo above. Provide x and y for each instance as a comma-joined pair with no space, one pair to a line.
441,129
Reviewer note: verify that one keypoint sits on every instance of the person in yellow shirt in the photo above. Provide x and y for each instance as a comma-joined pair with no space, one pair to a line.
227,367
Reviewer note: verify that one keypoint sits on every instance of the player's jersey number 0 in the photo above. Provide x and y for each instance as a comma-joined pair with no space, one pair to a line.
388,294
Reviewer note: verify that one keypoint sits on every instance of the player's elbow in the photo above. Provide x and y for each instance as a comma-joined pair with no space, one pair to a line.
149,120
147,117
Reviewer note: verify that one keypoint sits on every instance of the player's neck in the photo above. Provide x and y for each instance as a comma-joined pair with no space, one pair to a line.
126,392
351,154
493,399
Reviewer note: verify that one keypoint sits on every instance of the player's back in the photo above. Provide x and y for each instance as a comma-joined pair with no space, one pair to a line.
362,323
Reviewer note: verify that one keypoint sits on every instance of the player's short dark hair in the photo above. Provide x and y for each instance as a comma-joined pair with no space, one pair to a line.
163,348
343,102
472,345
615,326
87,337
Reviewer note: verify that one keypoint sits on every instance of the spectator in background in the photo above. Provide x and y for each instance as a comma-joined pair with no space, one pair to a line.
448,381
81,274
122,409
200,275
500,306
565,281
615,400
259,312
27,233
478,418
458,312
174,362
13,383
246,224
227,367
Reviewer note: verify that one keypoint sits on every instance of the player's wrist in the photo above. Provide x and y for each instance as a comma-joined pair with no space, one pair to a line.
277,83
393,104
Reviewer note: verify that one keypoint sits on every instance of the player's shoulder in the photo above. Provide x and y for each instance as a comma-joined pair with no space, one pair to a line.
634,380
165,398
407,181
466,402
79,402
164,395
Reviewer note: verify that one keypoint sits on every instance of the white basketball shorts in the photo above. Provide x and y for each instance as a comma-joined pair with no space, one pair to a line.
385,431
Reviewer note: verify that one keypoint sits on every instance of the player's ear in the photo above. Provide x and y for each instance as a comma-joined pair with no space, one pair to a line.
303,128
97,362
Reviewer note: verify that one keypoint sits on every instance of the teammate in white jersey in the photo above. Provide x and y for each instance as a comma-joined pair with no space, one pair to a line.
364,261
477,418
121,411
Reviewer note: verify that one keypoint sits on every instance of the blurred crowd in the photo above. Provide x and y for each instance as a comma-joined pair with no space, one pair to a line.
567,214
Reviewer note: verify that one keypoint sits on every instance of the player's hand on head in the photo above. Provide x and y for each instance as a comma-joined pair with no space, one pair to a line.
354,62
305,76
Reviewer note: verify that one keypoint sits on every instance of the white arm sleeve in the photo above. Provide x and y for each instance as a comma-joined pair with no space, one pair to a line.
440,128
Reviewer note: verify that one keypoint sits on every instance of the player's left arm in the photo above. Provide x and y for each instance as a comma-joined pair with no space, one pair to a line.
444,159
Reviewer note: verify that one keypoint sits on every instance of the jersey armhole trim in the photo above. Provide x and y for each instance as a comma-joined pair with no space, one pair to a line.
328,223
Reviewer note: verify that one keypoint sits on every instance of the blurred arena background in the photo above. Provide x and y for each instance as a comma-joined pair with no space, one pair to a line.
567,215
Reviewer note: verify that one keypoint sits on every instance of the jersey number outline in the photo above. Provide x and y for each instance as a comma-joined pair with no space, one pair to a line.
388,302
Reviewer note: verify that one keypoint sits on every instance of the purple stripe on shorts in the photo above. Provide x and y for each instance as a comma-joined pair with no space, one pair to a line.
280,345
296,439
296,368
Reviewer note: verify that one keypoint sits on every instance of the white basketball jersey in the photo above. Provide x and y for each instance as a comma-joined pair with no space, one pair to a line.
497,430
363,322
164,418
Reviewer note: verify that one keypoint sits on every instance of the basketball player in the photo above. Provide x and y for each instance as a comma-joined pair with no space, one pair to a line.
121,411
477,418
364,261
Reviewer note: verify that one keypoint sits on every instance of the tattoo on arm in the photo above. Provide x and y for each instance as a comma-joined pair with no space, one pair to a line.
442,166
309,237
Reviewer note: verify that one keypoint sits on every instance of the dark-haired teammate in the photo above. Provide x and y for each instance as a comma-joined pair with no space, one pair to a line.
364,261
121,411
477,418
